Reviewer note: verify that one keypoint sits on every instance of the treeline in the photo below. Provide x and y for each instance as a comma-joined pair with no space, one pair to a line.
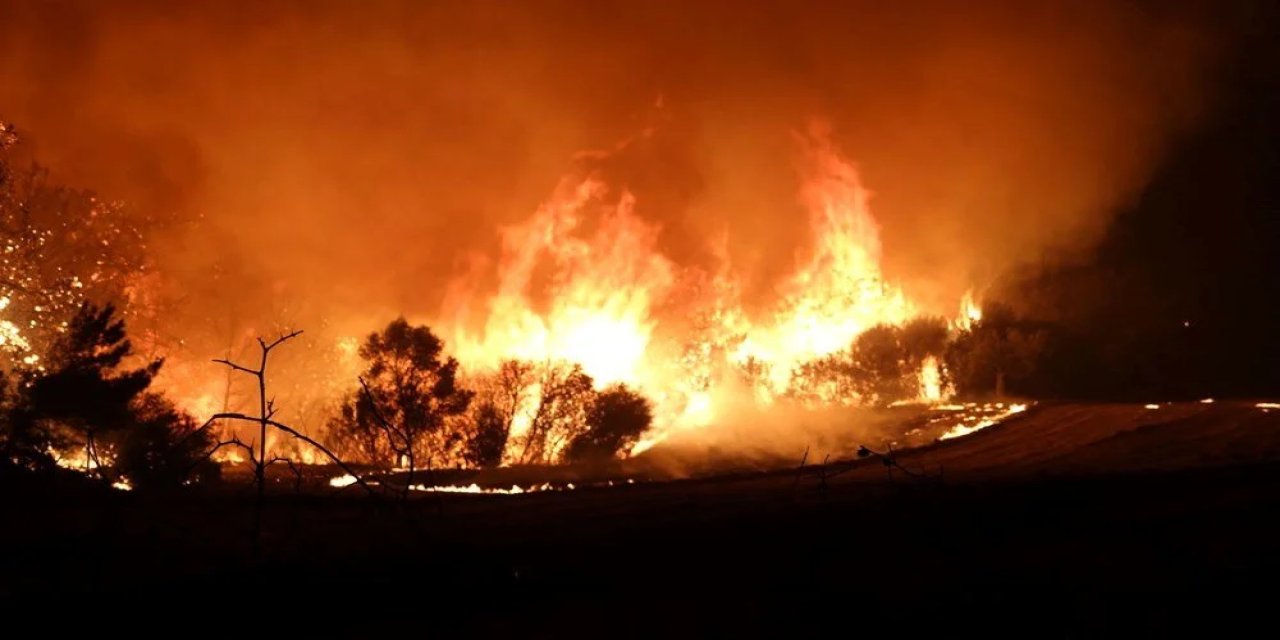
84,407
413,408
999,354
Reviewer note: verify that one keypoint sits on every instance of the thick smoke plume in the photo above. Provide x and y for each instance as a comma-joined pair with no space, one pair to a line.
332,165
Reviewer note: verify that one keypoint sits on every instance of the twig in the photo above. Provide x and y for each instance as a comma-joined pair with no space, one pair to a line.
297,473
293,432
800,469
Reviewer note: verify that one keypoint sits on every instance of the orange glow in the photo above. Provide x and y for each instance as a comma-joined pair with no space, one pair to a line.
583,281
931,380
974,423
601,299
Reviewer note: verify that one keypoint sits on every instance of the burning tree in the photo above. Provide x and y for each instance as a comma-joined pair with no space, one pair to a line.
61,246
559,413
880,366
500,398
997,349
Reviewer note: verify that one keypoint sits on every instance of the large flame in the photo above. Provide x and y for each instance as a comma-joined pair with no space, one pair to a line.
583,281
596,308
838,291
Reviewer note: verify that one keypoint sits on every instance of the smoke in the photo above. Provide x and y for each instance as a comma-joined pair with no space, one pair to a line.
337,164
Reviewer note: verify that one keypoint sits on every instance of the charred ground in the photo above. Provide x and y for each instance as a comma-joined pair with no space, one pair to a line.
1075,519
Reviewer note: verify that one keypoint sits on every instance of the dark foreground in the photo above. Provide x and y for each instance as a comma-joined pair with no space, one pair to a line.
1159,537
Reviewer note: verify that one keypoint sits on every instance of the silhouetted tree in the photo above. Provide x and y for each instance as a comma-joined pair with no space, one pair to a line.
488,438
25,441
164,446
999,349
875,369
923,337
617,418
409,392
84,388
501,396
880,365
354,432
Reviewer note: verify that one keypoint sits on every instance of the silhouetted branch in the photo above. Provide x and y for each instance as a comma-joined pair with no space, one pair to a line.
297,473
889,460
377,413
322,449
403,434
237,367
278,341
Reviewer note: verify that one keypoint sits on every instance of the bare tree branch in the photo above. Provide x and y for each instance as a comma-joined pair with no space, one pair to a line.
281,340
237,367
297,473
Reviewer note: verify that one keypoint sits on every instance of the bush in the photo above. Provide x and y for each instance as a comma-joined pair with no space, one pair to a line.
616,419
164,447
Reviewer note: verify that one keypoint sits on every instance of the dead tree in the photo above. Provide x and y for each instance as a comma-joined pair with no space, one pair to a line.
264,419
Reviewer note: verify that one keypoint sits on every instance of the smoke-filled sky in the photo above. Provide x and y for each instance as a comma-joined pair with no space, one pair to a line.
353,154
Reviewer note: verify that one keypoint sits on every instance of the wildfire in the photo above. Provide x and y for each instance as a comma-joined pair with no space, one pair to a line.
839,291
970,312
347,480
475,488
10,334
975,422
601,298
582,281
931,381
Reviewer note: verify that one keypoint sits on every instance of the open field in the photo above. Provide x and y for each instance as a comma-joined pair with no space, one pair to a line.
1073,518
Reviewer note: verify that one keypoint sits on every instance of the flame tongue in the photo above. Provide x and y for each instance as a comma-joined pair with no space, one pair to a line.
839,292
599,299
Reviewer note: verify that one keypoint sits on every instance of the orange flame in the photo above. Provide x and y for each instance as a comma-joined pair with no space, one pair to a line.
593,298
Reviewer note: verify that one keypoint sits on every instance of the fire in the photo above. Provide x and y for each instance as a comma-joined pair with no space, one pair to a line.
76,459
838,292
583,281
974,422
10,334
347,480
970,312
599,313
931,380
475,488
